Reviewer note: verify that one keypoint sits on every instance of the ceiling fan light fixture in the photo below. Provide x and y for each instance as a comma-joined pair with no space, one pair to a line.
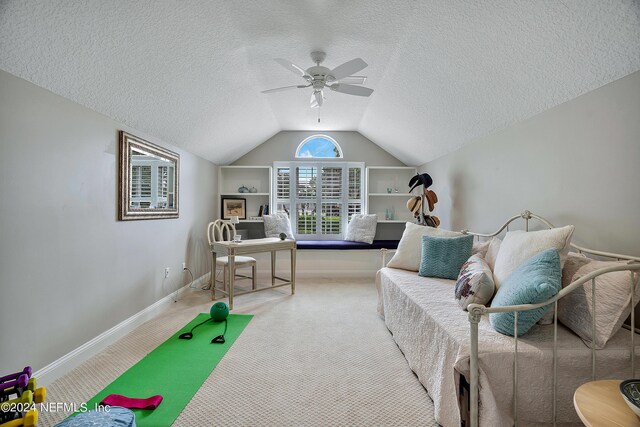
340,79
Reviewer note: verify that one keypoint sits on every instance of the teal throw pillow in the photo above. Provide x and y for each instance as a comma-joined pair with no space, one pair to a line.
443,256
534,281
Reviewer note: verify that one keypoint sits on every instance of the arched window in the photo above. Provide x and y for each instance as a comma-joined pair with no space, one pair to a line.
319,147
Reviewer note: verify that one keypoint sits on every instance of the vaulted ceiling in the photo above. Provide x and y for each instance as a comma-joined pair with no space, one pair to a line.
445,72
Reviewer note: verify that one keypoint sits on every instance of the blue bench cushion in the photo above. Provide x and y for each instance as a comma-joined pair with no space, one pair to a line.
343,244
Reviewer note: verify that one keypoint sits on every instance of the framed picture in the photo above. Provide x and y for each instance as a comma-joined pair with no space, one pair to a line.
234,207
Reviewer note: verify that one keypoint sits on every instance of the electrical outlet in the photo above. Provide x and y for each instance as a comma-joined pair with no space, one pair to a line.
184,266
166,272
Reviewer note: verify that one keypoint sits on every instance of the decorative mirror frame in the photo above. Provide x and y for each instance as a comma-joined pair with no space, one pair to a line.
125,211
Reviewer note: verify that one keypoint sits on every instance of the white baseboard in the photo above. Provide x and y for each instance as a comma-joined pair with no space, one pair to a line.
74,358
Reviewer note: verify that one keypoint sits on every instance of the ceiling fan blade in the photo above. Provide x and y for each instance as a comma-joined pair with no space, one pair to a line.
293,68
319,97
348,68
351,89
282,89
354,80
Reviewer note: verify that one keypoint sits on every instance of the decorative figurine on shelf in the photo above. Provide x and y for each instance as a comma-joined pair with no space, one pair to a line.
428,197
243,189
253,190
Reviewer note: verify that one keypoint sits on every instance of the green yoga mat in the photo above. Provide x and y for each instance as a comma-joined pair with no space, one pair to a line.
176,369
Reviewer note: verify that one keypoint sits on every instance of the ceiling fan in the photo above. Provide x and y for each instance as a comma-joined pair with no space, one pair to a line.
340,79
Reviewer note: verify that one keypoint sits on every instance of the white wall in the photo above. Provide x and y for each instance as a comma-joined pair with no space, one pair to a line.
578,163
68,269
282,147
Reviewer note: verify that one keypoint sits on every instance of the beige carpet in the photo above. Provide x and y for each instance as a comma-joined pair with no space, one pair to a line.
322,357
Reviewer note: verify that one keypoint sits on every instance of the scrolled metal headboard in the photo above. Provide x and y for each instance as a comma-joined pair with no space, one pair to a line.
527,216
476,311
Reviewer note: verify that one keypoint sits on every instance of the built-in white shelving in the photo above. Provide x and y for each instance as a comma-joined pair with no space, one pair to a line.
387,196
232,178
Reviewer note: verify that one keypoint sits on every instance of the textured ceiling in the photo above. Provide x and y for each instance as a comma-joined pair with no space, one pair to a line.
445,72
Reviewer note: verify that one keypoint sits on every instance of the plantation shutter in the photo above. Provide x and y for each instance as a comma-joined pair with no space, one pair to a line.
141,186
282,191
355,191
306,206
163,176
331,200
319,197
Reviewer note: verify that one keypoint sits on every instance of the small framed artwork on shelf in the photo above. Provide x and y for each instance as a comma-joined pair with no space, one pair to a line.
234,207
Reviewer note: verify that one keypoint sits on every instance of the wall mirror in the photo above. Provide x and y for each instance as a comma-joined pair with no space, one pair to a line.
149,180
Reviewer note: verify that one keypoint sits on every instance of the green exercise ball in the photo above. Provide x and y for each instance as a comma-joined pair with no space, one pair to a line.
219,311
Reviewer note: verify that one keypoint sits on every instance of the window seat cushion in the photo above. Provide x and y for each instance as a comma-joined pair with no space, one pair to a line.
343,244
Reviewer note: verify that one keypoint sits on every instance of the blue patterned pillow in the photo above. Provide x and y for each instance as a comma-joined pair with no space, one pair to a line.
117,416
443,256
534,281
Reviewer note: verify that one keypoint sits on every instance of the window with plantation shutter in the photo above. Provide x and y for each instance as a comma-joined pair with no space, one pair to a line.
141,186
151,180
354,186
282,190
163,176
320,198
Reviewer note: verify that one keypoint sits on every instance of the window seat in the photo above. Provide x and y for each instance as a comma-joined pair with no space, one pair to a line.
344,245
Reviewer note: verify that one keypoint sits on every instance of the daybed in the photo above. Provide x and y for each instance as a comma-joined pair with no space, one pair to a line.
441,347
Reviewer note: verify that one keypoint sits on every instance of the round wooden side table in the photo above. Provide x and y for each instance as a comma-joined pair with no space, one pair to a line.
599,403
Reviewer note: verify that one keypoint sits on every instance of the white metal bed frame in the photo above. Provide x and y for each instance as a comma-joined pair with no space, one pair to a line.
476,311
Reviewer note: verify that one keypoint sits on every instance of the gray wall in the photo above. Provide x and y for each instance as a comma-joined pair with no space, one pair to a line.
68,269
578,163
282,147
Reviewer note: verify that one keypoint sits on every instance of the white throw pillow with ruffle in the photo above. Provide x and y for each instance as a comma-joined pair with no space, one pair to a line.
362,228
277,223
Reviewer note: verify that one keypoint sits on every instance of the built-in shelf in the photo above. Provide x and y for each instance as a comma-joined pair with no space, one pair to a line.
382,203
231,178
251,220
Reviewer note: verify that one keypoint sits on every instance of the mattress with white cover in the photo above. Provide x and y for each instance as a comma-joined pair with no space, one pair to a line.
433,333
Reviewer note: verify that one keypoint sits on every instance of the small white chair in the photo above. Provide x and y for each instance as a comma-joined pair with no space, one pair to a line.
221,230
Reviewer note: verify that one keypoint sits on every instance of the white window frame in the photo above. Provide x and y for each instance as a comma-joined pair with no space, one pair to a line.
319,135
344,200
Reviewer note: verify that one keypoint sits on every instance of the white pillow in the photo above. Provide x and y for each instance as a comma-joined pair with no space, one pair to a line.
613,299
492,252
519,246
475,283
409,252
362,228
277,223
480,248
